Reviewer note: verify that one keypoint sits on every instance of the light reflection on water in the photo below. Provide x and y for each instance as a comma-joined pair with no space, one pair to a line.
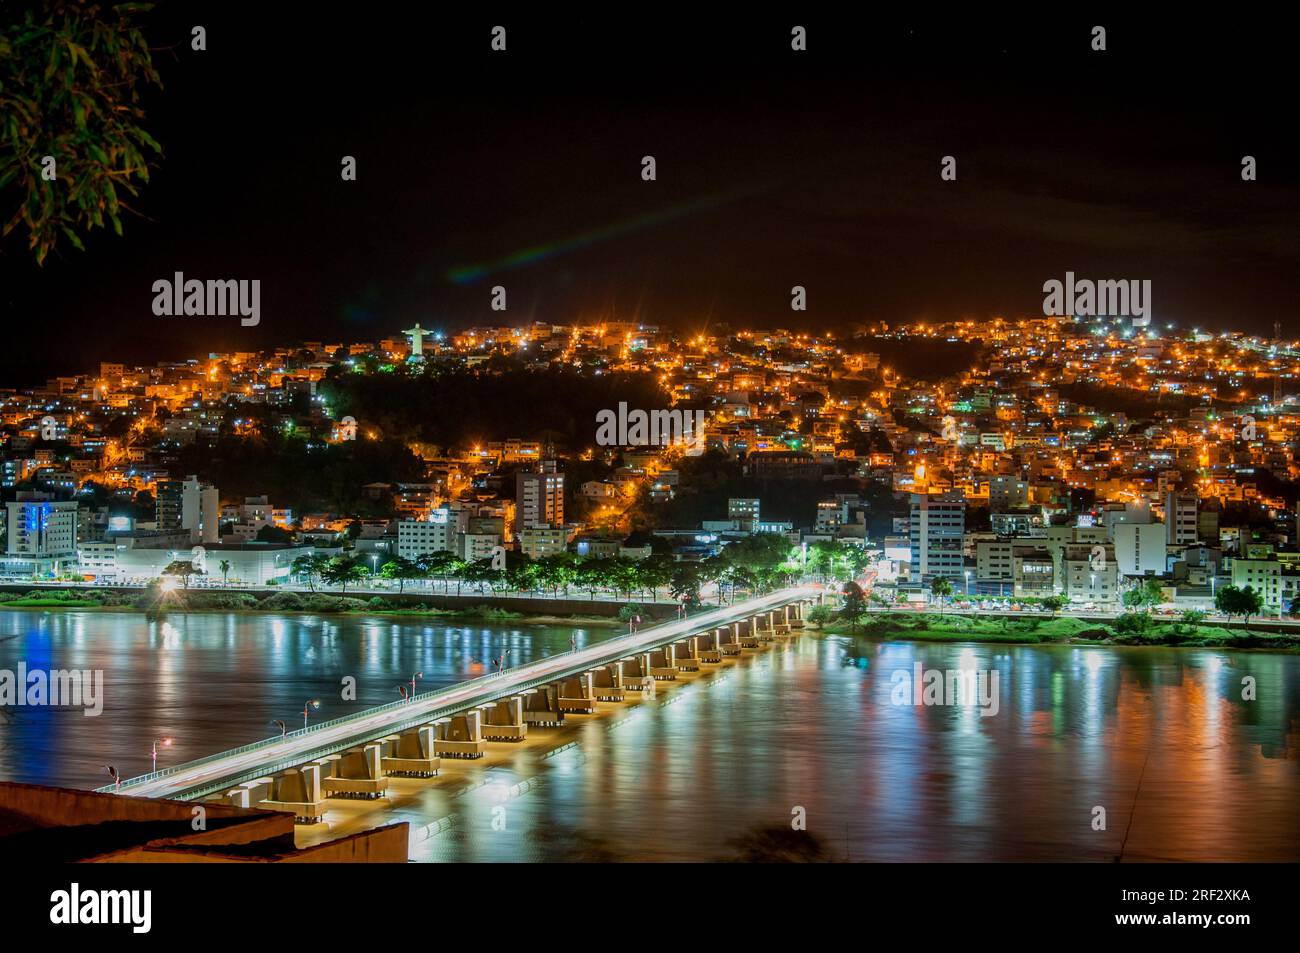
213,681
813,727
809,727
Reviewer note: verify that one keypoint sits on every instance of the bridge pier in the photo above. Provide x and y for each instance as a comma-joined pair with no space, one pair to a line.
504,720
296,791
542,707
607,681
460,736
636,673
709,647
686,654
358,774
729,640
663,664
410,754
577,694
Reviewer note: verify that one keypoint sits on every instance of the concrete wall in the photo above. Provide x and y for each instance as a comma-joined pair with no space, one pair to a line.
67,806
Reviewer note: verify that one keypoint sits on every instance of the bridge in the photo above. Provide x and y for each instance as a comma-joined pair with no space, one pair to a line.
351,756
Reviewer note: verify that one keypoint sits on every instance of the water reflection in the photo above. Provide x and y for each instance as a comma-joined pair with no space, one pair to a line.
217,681
1162,739
719,771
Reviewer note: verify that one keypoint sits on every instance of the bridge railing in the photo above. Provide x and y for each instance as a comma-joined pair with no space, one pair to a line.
610,650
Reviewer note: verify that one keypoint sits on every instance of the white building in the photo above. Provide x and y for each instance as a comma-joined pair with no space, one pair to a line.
42,535
253,564
416,538
472,547
1140,548
937,527
539,500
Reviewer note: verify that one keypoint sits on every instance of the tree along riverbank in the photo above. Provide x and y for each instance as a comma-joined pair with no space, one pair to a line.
156,605
1059,630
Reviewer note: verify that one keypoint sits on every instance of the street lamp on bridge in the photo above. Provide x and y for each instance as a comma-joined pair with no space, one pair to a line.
165,742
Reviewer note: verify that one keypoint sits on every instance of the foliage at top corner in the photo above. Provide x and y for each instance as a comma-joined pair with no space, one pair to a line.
72,75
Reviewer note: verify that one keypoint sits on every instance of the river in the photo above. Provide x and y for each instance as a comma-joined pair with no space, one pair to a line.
1092,753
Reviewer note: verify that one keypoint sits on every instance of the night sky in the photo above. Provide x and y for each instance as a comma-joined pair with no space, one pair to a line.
775,168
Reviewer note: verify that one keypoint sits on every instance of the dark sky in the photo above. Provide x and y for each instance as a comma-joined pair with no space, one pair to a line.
775,168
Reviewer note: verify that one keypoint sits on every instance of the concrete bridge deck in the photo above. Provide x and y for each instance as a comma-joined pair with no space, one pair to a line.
219,772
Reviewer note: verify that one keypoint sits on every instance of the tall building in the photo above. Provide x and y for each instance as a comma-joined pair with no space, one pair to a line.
937,527
744,511
41,533
1140,548
1091,574
1180,518
189,506
201,512
539,498
416,538
168,496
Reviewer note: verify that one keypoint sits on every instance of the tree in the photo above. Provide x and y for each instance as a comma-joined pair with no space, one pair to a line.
270,533
522,573
401,569
1053,604
483,574
1231,600
819,615
941,589
655,571
182,569
1144,595
440,564
556,571
1133,599
309,567
71,80
764,559
224,565
1252,603
837,560
855,604
712,569
624,575
631,611
340,571
592,574
684,585
737,577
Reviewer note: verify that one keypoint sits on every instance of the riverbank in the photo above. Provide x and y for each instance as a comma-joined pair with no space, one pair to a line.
1059,630
182,602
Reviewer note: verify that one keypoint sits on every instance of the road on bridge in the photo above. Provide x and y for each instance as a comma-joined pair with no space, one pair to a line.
303,746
